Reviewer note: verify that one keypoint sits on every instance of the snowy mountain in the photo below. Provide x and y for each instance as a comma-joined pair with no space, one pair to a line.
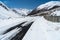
47,8
44,24
22,11
6,12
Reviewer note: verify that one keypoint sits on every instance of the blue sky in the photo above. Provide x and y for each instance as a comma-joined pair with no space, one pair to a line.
29,4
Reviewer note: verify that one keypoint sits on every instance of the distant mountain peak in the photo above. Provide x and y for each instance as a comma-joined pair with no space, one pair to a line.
22,11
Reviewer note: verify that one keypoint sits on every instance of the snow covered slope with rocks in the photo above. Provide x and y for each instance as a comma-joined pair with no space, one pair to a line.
6,12
22,11
48,5
47,8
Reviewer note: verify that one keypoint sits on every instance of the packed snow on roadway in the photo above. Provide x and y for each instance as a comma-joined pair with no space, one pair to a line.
42,29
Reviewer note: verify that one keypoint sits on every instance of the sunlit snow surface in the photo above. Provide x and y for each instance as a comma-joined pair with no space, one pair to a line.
8,23
6,13
42,29
49,5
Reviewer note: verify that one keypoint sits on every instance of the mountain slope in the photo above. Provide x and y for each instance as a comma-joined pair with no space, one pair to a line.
47,8
22,11
6,12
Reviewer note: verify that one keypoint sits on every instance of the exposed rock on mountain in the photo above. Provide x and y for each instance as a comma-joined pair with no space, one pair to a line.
46,9
21,11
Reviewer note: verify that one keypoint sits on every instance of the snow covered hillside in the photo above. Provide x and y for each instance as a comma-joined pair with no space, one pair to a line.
48,8
6,12
22,11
